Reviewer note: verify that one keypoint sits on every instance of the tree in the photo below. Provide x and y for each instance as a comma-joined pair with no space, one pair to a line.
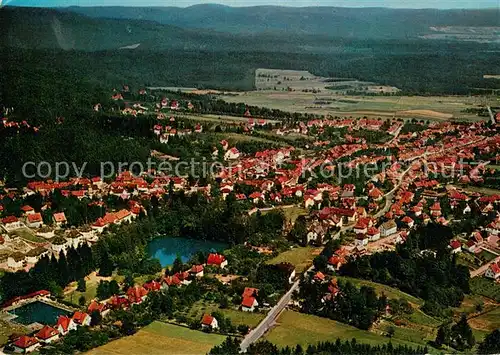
128,282
178,265
391,331
82,286
443,336
462,335
490,344
299,230
106,267
82,301
95,318
230,346
320,262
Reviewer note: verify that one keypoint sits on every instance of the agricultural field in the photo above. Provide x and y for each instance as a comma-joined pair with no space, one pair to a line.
335,103
161,338
297,328
300,257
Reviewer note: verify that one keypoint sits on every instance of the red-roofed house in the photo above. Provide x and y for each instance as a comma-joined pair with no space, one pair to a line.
493,271
59,218
81,319
152,286
136,294
455,246
102,308
335,262
376,194
435,210
373,233
47,334
35,220
232,154
209,322
25,344
248,304
217,260
196,270
408,221
65,324
27,210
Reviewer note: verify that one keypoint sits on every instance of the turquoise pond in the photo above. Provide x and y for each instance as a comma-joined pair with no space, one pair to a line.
166,249
38,312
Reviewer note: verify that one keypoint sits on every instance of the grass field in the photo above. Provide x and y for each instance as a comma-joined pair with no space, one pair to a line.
237,317
485,287
390,292
297,328
28,235
292,213
432,108
89,294
161,338
488,321
300,257
7,329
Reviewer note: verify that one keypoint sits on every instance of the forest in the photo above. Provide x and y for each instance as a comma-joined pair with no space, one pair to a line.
422,266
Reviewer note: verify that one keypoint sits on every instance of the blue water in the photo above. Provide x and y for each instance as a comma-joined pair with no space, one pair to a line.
166,249
38,312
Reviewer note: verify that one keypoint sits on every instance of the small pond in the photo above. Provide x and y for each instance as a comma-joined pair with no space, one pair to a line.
166,249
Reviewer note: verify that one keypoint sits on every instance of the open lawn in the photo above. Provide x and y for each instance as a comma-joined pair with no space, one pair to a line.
297,328
390,292
300,257
237,317
161,338
7,329
89,294
291,213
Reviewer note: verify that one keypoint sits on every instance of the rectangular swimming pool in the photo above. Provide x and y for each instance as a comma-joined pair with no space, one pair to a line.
38,312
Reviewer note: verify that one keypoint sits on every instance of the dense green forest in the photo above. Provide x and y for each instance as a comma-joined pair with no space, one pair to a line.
66,44
422,266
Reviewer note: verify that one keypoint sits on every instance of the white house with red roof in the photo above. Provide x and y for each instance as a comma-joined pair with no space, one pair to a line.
455,246
373,233
196,270
249,303
65,324
81,319
493,272
408,221
209,322
47,335
232,154
217,260
34,220
26,344
59,218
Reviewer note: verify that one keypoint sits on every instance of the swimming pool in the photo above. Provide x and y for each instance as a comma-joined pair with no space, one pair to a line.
38,312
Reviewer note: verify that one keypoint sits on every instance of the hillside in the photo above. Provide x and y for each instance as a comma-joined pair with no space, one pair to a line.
332,21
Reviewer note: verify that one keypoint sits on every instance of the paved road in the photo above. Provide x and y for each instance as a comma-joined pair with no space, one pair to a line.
268,322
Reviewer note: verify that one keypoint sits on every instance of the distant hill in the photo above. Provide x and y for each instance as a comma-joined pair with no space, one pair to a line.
42,28
380,23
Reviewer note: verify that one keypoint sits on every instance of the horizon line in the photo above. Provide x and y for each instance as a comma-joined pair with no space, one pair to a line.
252,6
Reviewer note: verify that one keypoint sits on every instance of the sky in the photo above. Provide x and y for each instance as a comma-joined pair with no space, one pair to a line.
440,4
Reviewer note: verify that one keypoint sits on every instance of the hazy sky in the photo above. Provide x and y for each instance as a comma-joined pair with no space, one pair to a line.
441,4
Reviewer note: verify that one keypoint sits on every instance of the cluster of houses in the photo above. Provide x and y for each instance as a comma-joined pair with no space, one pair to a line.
50,334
